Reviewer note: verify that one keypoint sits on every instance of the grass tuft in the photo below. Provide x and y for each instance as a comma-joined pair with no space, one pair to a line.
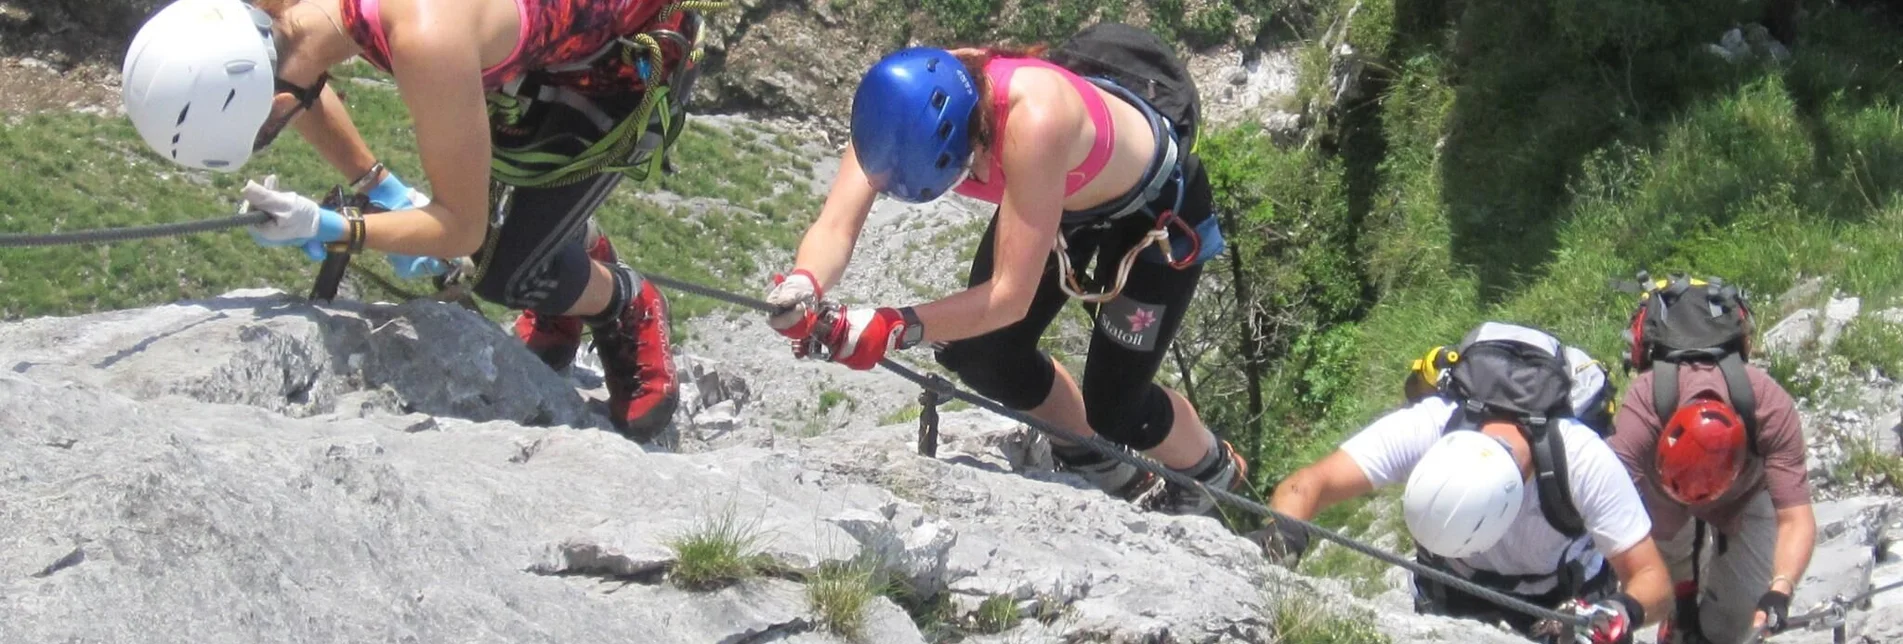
718,553
840,592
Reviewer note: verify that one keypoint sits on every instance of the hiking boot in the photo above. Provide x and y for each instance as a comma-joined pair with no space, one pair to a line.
638,368
1115,478
1229,474
556,338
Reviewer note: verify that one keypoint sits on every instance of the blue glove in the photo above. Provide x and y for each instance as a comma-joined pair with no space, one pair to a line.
410,268
391,194
295,219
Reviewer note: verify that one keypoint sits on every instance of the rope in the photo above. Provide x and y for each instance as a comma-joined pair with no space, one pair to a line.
108,235
1116,452
936,387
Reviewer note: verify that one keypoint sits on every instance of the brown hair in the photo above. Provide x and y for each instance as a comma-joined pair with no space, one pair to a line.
983,124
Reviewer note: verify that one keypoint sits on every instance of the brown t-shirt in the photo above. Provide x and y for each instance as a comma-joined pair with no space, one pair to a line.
1781,468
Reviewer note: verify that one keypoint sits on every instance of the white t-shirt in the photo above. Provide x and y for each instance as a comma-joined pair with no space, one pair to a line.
1615,518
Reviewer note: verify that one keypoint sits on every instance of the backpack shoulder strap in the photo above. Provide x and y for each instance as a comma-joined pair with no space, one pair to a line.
1664,390
1742,398
1549,473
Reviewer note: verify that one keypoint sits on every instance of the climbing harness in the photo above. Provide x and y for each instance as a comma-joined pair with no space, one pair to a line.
1165,172
937,389
636,144
1158,235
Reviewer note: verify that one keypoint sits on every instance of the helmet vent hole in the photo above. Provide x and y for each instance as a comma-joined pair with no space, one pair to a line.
175,138
943,161
938,99
944,129
228,96
931,64
182,112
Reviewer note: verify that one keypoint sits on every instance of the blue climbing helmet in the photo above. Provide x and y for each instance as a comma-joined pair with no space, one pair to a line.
910,123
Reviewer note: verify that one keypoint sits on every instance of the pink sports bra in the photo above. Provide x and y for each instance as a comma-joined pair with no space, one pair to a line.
999,71
552,32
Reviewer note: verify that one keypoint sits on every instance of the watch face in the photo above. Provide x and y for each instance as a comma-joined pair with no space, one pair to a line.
913,333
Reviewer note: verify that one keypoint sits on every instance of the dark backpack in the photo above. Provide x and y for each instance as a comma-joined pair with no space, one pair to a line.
1682,320
1141,62
1519,374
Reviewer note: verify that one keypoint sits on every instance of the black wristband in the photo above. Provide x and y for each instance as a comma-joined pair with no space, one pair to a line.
1634,611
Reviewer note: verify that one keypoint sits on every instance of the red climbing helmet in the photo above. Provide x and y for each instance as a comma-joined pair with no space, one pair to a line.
1701,451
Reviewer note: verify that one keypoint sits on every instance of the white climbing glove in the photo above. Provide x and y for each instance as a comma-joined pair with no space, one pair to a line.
295,219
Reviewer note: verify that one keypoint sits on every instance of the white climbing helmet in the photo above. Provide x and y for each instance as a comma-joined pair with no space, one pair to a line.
1463,494
198,81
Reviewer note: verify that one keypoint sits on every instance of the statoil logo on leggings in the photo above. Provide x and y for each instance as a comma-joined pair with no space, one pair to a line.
1133,324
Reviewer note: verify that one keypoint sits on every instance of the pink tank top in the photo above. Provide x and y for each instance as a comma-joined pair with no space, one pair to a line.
1000,71
552,32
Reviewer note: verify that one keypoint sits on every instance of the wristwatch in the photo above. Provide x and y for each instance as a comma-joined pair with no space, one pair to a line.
369,179
914,329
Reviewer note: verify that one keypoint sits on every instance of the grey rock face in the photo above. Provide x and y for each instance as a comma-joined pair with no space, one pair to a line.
269,350
179,500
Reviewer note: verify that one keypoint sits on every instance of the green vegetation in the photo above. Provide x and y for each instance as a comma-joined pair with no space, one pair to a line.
1871,343
905,414
1195,25
1505,161
1869,464
830,399
840,592
996,614
93,172
1302,619
717,553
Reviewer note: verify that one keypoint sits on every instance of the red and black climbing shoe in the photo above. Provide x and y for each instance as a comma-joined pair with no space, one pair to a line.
638,367
1228,474
553,338
556,338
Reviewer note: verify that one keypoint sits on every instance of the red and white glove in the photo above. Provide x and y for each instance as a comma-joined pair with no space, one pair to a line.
859,339
1610,621
795,301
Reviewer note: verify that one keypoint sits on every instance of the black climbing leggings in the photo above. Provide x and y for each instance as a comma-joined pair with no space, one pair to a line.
537,259
1130,334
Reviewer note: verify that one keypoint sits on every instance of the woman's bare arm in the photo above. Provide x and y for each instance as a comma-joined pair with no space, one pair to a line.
438,70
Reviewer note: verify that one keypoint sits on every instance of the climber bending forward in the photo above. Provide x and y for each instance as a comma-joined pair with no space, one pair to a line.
1060,157
520,101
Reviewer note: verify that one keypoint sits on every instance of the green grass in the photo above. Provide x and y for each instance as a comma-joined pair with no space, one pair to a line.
93,172
1870,343
1303,619
1510,159
840,592
901,415
1866,463
721,551
831,399
996,614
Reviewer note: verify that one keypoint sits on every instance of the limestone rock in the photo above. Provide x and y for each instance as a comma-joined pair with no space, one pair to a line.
178,500
270,350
